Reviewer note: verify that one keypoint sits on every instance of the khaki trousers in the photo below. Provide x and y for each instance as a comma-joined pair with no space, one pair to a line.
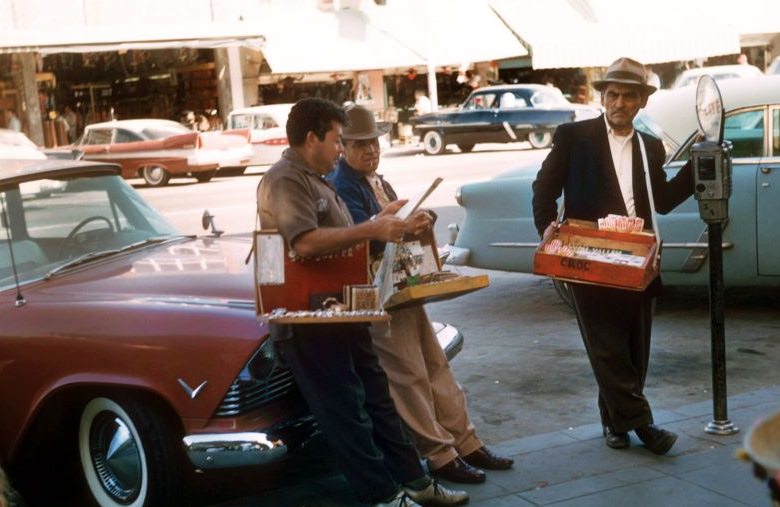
425,392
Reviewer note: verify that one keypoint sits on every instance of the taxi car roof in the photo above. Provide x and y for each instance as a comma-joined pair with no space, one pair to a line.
20,170
675,110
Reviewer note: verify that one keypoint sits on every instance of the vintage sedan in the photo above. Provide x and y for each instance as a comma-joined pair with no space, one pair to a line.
690,77
158,150
127,349
267,130
499,233
500,114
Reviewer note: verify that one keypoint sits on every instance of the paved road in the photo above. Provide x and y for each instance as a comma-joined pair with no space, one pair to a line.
523,365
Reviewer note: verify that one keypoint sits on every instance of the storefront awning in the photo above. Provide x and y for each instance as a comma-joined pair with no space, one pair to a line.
109,25
400,34
593,33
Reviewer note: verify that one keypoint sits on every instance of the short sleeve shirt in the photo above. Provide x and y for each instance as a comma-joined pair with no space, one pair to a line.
295,199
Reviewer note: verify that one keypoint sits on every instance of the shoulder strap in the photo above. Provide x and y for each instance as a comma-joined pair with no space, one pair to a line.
649,185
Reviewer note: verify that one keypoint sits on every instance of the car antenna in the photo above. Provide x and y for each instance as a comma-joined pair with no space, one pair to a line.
20,301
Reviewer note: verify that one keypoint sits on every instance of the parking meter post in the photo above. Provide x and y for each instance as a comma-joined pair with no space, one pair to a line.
720,425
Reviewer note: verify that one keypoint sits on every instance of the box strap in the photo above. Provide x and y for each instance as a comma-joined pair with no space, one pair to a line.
650,196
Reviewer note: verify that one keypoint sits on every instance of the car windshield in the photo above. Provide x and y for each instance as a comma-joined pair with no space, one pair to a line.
549,98
51,222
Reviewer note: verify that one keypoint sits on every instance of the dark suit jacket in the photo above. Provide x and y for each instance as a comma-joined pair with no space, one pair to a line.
580,164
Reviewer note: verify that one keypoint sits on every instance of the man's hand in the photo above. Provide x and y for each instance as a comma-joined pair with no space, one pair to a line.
392,208
419,222
388,228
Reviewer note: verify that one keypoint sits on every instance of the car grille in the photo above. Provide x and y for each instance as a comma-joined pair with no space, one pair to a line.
247,395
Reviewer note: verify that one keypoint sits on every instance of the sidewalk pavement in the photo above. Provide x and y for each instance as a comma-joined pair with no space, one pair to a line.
573,467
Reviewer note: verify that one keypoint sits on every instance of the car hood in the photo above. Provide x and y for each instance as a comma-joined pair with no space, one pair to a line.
195,271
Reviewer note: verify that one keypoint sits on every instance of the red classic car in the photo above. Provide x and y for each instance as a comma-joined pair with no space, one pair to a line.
130,355
160,149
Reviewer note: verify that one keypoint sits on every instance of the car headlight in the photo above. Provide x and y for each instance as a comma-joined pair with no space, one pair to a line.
262,363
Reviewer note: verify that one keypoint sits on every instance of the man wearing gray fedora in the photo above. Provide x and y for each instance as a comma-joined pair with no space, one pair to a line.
597,165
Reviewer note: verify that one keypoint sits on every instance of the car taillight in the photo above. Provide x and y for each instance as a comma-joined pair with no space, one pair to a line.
277,141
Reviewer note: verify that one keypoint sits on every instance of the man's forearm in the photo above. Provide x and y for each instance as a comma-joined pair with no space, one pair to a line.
325,240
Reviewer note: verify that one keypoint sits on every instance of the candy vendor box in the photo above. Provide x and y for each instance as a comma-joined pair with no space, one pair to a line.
577,251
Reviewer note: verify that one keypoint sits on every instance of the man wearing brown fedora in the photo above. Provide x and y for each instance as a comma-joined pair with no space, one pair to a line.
598,166
422,385
334,365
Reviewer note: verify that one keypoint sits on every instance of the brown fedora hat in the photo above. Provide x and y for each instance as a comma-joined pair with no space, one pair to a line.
625,71
362,125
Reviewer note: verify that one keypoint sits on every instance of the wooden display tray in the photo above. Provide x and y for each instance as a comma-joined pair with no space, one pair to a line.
576,269
436,291
306,277
340,319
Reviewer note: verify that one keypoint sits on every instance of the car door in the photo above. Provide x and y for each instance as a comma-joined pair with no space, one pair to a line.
768,200
684,233
476,121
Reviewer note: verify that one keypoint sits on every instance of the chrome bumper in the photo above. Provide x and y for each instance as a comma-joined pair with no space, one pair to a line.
225,450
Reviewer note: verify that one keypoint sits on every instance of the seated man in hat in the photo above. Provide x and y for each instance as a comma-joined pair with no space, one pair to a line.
598,165
426,395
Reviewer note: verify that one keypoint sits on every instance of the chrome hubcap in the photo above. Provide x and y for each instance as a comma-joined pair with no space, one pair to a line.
116,457
154,174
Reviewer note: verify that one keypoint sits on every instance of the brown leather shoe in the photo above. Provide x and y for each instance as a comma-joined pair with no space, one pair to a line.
483,458
615,440
459,471
656,439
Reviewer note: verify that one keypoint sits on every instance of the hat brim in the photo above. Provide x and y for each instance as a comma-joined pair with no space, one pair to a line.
382,128
600,84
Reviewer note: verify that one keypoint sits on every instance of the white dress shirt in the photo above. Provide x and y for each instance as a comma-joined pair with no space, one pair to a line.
622,158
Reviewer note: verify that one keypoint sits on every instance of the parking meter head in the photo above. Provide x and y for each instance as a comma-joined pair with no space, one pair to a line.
709,109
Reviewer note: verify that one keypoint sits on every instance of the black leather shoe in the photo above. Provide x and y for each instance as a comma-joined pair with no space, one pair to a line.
615,440
459,471
483,458
656,439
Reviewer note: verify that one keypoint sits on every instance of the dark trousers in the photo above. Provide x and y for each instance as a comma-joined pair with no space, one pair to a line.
340,378
615,326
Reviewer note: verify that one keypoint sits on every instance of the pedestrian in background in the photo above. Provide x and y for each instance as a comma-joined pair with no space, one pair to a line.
422,385
597,164
12,121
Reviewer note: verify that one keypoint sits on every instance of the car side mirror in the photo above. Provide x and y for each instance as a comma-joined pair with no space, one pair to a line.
207,221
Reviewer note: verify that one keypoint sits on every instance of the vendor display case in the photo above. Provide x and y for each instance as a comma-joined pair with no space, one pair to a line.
577,251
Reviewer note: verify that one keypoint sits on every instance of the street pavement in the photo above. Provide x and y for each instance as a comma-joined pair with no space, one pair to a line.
573,467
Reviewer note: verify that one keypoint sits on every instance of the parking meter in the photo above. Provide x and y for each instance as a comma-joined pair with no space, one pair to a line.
711,159
712,176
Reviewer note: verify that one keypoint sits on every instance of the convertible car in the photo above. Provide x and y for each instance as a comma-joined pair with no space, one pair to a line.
500,114
499,233
130,355
158,150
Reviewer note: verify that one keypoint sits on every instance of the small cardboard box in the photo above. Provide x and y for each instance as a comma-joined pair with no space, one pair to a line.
599,270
